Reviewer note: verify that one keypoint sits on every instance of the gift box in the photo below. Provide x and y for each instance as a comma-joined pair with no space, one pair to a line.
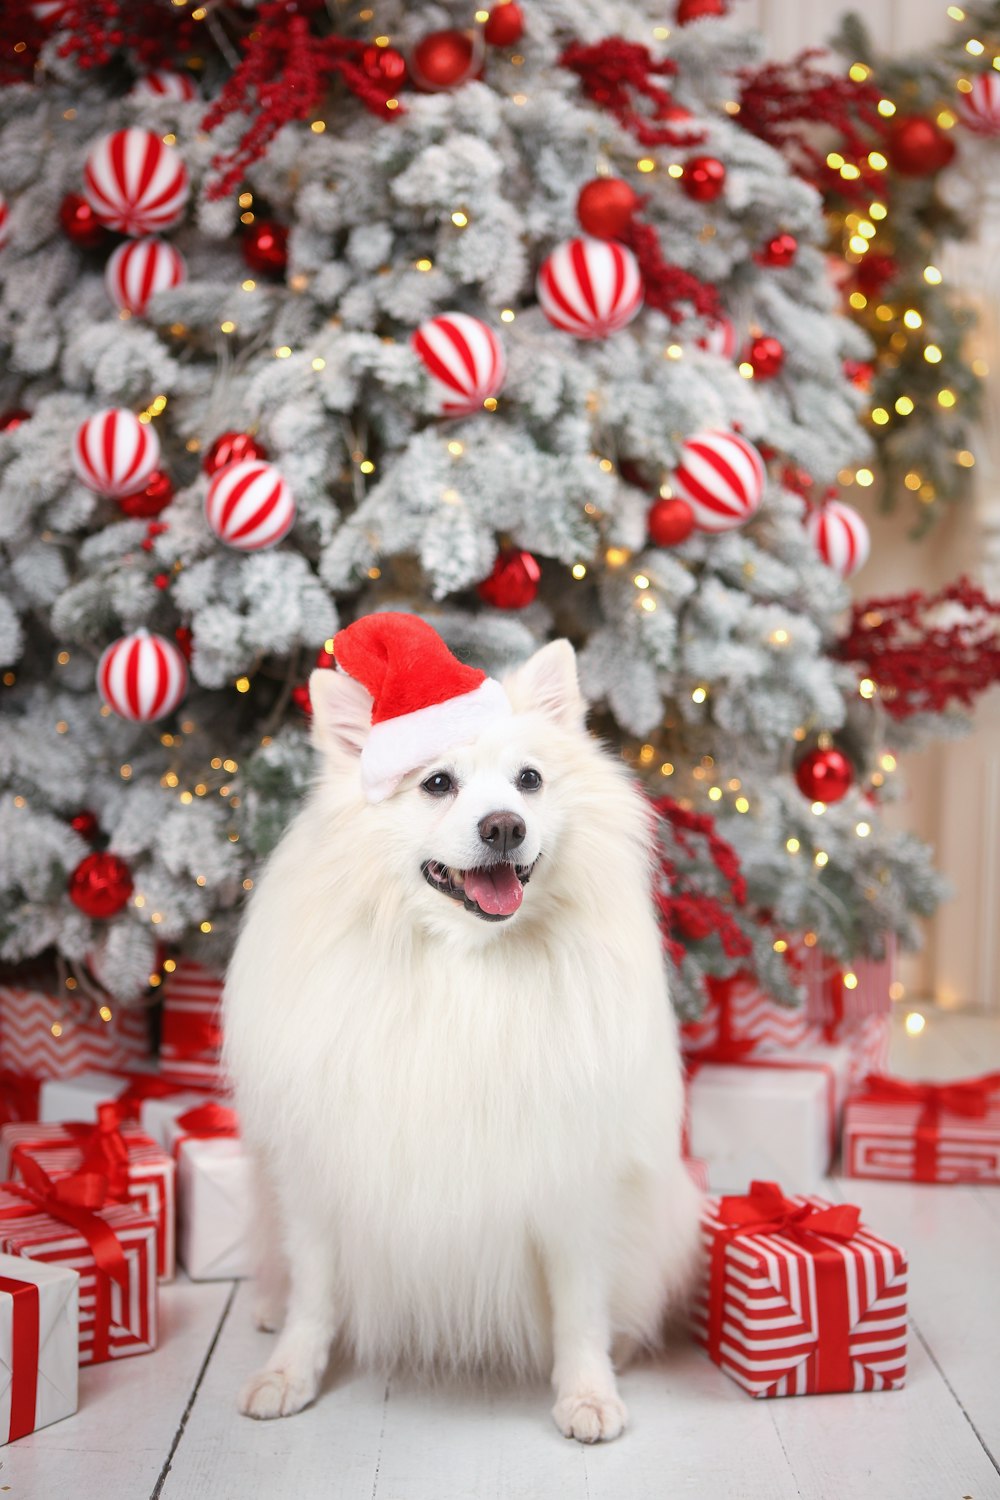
924,1132
215,1193
741,1017
19,1097
45,1037
39,1337
835,994
798,1297
136,1169
158,1115
111,1246
697,1170
80,1098
191,1027
778,1114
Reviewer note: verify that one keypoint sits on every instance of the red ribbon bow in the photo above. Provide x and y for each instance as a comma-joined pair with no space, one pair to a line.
147,1086
103,1152
189,1034
206,1122
970,1097
766,1210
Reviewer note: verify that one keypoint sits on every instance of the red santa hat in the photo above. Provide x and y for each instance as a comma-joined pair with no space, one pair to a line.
425,699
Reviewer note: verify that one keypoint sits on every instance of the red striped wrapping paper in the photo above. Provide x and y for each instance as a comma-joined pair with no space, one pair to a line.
737,1010
829,1000
788,1327
132,1327
896,1139
191,1032
80,1040
151,1174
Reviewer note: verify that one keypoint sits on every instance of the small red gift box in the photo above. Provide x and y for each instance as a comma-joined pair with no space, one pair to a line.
798,1297
924,1132
191,1029
136,1169
111,1246
45,1037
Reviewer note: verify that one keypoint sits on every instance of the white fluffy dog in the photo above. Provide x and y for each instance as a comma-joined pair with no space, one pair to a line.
461,1089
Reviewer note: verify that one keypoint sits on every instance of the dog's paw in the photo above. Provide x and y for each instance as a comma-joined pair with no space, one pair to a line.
590,1416
268,1313
276,1393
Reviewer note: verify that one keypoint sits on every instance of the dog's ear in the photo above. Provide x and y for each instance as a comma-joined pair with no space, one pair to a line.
548,684
341,712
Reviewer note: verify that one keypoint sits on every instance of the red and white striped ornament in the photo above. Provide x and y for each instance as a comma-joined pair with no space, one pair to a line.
142,677
114,453
721,476
135,182
465,360
50,11
249,505
4,222
720,339
163,84
840,537
590,288
979,109
139,269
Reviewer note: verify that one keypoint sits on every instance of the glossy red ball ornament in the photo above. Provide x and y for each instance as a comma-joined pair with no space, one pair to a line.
505,25
767,355
265,247
513,584
779,251
302,700
824,775
696,10
184,636
445,60
12,418
155,496
80,224
605,207
231,448
100,885
669,522
704,178
85,824
917,147
384,65
860,373
325,659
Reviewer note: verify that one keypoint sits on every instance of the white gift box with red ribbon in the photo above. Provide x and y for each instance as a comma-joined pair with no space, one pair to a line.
39,1338
214,1186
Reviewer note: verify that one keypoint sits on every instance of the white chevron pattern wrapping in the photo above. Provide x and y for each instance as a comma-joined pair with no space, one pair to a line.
81,1042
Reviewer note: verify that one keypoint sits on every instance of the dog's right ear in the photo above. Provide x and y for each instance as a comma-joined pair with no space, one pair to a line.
341,712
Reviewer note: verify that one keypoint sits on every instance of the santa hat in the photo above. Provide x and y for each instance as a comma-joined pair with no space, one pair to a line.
426,700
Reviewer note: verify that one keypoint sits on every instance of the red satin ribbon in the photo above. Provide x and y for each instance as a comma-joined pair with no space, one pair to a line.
190,1034
73,1201
146,1086
765,1210
969,1097
206,1122
24,1355
728,1047
103,1151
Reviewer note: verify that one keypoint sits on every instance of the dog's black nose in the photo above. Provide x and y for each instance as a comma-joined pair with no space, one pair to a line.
503,831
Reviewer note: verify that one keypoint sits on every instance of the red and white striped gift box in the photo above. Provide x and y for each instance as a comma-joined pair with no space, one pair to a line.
740,1014
924,1132
797,1297
191,1033
46,1037
835,993
117,1318
150,1171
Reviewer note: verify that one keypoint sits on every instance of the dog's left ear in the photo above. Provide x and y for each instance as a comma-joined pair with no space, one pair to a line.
341,713
548,684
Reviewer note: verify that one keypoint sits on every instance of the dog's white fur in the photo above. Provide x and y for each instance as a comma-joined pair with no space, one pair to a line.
467,1131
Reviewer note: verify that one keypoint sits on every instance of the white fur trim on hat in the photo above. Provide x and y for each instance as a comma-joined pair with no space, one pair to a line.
397,746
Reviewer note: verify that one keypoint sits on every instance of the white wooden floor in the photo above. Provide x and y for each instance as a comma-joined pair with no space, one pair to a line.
165,1425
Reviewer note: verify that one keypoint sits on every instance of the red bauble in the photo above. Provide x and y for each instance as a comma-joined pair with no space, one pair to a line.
824,775
184,636
875,273
605,207
917,147
231,448
149,501
766,355
444,60
325,658
86,825
513,584
13,417
695,10
265,247
80,224
669,522
704,178
384,65
505,25
860,373
779,251
100,885
302,700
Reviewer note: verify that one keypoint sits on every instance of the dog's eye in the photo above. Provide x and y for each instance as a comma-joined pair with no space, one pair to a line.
529,780
438,785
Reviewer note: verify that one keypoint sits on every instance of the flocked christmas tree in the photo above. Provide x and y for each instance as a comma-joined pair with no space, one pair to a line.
498,316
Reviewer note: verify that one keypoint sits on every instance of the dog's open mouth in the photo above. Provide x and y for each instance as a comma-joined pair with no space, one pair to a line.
493,892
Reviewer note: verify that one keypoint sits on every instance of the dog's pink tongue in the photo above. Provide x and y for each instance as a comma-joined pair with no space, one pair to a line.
496,889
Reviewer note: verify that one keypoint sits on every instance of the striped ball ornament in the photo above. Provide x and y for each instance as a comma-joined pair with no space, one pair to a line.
465,360
142,677
979,109
720,339
134,182
4,222
249,505
139,269
114,453
590,288
840,537
163,84
721,476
